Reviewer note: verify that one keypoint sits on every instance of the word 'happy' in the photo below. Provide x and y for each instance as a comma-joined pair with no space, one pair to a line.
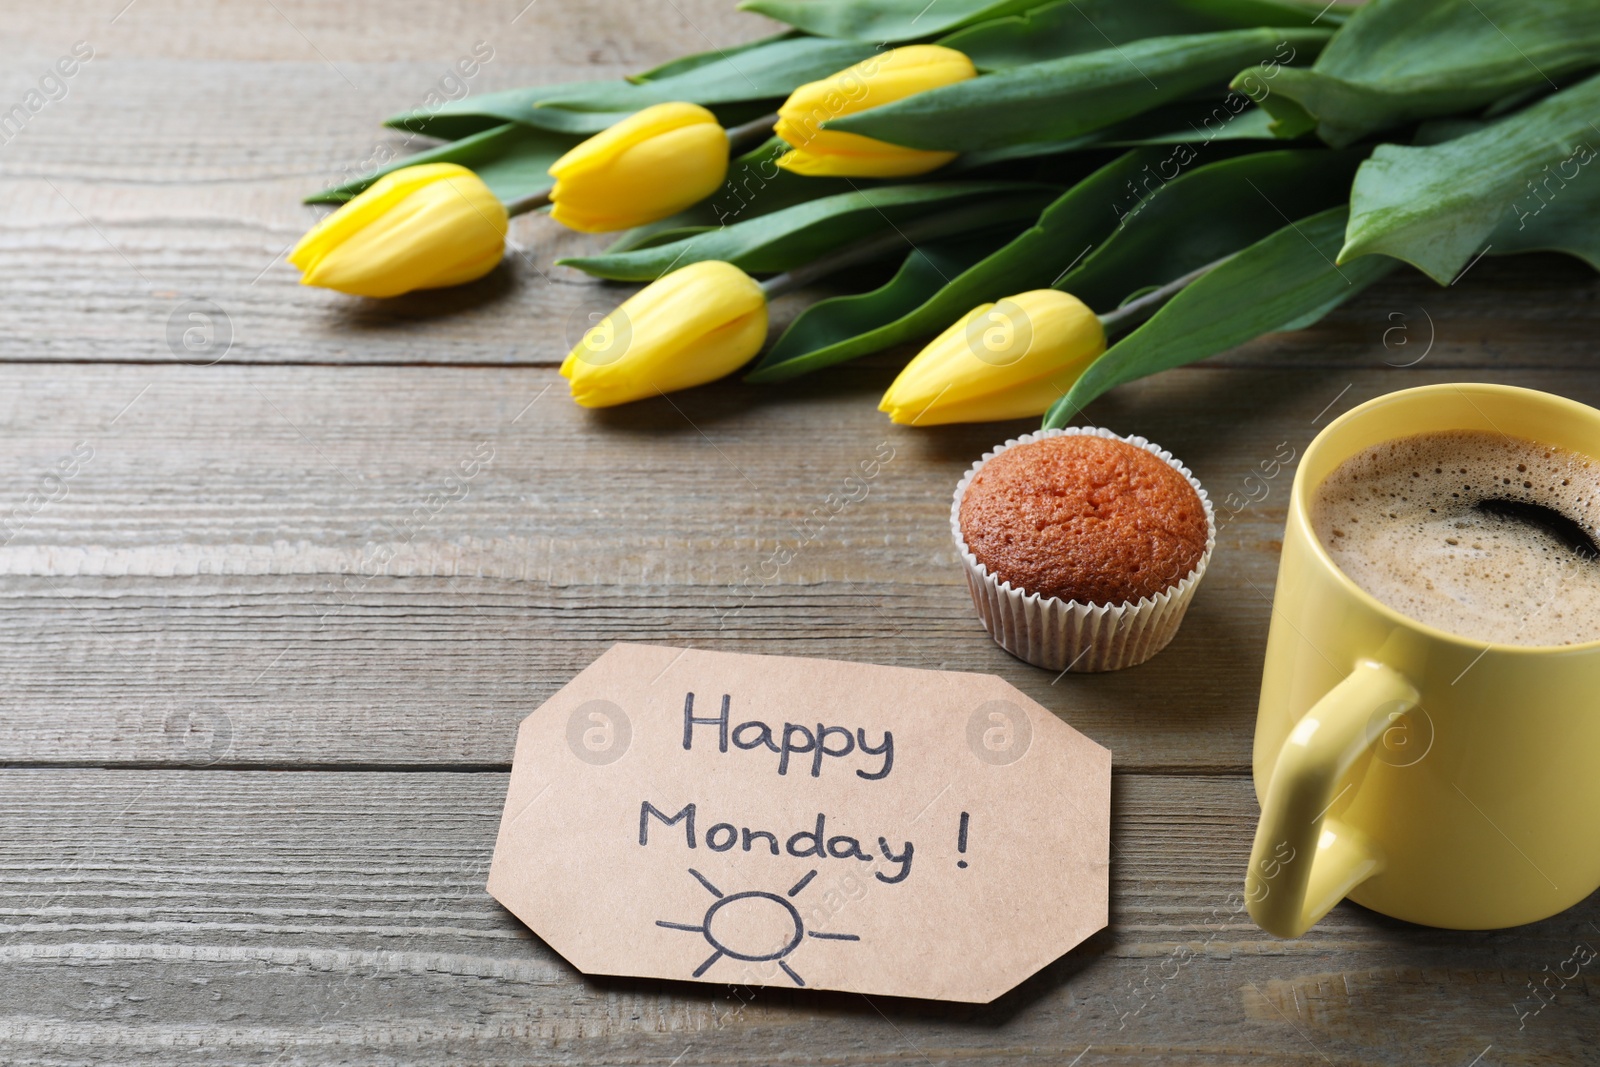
794,739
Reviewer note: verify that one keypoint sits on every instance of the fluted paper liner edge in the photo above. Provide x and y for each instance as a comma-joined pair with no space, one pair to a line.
1063,635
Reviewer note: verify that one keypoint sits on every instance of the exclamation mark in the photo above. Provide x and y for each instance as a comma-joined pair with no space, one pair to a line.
961,839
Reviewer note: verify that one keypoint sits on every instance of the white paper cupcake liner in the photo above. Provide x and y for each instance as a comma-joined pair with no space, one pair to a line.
1063,635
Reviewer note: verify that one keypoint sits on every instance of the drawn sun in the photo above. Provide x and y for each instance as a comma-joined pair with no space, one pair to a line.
764,926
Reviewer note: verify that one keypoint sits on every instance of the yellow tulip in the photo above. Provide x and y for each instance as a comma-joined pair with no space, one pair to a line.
693,326
422,227
881,79
1005,360
652,164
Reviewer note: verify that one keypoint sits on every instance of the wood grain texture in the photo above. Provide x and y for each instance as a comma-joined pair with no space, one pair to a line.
277,566
174,166
265,641
235,917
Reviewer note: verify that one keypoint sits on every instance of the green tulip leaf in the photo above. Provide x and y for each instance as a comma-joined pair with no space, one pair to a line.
477,114
1566,218
1065,98
512,159
656,234
770,72
1198,123
684,64
1194,219
931,292
1401,60
1436,206
844,327
1192,124
796,235
755,76
1285,281
1072,27
1205,214
456,119
883,20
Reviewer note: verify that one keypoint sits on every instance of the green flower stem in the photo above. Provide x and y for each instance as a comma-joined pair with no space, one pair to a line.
747,136
1123,318
1136,311
525,204
897,239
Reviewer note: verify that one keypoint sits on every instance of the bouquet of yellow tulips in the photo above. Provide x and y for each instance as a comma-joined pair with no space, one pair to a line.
1077,192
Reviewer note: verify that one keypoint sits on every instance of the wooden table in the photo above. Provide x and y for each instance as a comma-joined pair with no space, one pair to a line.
262,679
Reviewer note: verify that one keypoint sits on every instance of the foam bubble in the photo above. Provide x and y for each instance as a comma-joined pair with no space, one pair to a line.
1401,519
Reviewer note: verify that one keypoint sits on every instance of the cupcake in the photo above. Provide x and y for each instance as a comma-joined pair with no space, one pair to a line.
1082,548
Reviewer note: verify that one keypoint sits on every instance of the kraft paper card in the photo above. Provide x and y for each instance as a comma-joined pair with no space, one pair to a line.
766,820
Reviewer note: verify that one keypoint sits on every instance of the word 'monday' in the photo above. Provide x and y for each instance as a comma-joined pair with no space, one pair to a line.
811,842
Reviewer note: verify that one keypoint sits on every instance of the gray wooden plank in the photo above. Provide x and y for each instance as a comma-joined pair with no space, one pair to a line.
199,593
395,31
273,566
253,917
174,165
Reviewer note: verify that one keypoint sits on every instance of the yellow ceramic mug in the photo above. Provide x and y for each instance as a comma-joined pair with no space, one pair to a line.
1427,776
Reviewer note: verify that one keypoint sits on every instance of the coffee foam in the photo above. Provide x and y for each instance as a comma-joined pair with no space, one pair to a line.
1400,519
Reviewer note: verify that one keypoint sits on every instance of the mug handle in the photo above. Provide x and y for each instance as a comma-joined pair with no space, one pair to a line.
1303,863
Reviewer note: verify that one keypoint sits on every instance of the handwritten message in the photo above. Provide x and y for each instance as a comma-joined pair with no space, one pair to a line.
683,814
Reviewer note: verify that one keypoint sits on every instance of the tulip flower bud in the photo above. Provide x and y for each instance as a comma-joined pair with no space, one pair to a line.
422,227
1000,361
693,326
881,79
652,164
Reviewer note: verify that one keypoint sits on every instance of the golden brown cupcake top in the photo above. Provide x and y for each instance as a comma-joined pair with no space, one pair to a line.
1084,518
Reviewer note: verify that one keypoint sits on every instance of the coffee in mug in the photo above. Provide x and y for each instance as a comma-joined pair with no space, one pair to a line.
1480,534
1428,775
